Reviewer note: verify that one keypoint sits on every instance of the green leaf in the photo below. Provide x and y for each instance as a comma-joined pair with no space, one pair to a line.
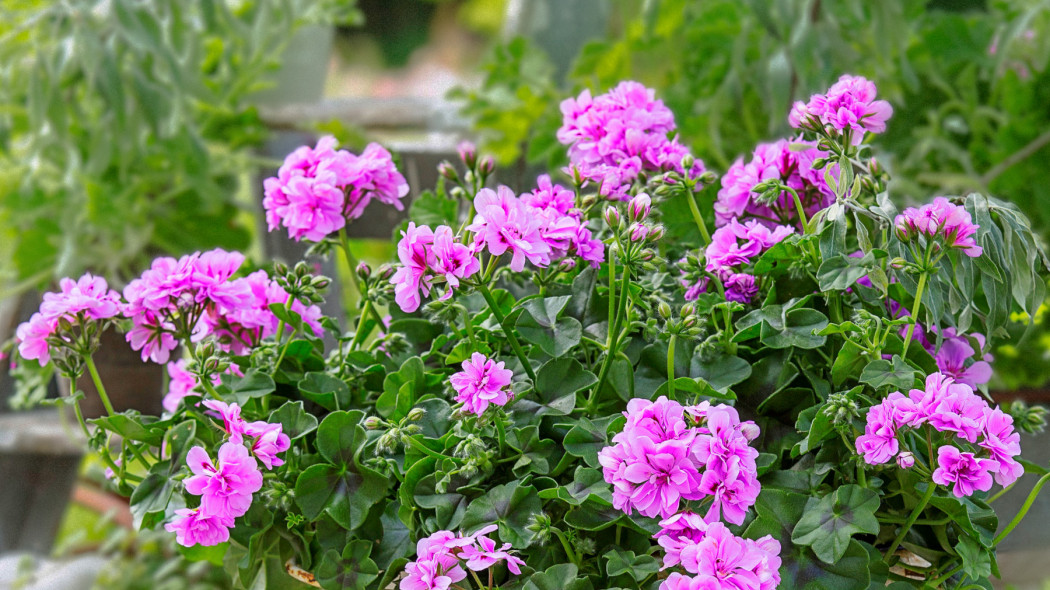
557,382
841,272
179,439
896,374
433,210
343,492
212,554
619,562
511,506
325,390
723,371
587,437
254,384
587,484
131,426
150,499
555,339
295,421
397,399
341,436
828,523
975,518
849,360
563,576
977,561
354,569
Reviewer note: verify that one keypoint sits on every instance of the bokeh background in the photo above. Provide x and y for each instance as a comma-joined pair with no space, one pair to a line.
136,128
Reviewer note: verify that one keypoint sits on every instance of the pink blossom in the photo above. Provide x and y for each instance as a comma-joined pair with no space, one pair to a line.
940,222
774,161
740,287
660,420
269,441
1003,443
432,574
550,196
373,175
955,357
652,478
682,529
242,327
482,381
230,414
181,383
906,460
416,258
879,442
88,299
451,260
225,487
729,562
484,554
503,223
32,337
196,527
849,105
966,472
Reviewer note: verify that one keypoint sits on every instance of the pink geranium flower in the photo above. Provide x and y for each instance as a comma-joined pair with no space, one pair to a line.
226,486
195,527
482,382
963,471
941,222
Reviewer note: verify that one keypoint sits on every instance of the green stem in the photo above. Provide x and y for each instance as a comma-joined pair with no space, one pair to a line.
1001,492
699,219
351,261
568,548
502,319
614,338
911,520
946,576
914,313
1024,510
469,325
670,366
98,385
359,334
798,208
431,452
481,585
76,408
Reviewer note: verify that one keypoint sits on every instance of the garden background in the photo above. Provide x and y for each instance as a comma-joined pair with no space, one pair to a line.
130,129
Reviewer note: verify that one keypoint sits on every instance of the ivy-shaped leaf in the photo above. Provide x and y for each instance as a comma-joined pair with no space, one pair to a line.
896,374
510,506
828,523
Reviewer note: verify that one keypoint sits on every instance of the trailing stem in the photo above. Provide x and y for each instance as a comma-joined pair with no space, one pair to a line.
914,313
511,337
911,520
98,385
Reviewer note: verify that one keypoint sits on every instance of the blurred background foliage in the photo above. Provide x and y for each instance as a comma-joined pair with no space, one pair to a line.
967,79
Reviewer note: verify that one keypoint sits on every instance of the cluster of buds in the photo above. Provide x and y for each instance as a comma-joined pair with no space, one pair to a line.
1028,419
207,361
841,409
477,171
301,282
635,233
396,434
687,323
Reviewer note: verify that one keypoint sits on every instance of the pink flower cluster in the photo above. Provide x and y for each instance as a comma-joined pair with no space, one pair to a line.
482,381
539,227
942,223
317,189
774,161
734,246
717,558
240,329
849,105
86,299
947,406
668,453
428,256
440,559
226,485
170,298
614,137
955,356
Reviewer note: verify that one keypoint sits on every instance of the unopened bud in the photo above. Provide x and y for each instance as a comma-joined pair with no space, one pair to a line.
819,163
372,423
447,170
657,233
687,162
664,310
416,414
647,254
689,321
386,271
688,310
638,232
588,200
750,430
567,264
638,208
364,271
468,153
612,217
874,167
486,166
906,460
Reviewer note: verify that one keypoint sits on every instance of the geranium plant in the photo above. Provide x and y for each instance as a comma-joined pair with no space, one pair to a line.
634,379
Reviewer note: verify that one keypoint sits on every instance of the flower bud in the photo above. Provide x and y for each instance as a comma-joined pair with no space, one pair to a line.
638,232
468,153
638,208
486,166
567,264
448,171
386,271
320,282
657,233
687,162
819,163
708,177
688,310
902,229
750,430
416,414
373,423
647,254
364,271
612,217
689,321
588,200
905,460
664,310
874,167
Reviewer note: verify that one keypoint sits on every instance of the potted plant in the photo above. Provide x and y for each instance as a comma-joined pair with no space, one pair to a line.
626,382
